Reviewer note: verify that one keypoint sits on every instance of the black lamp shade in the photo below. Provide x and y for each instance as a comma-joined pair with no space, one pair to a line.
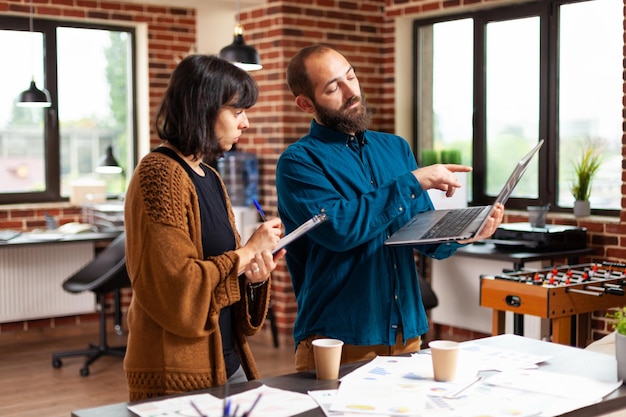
108,164
34,97
240,54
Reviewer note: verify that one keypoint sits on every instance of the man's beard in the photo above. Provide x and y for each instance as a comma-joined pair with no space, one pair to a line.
345,120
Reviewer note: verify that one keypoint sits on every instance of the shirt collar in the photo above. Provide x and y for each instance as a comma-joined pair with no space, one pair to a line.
330,135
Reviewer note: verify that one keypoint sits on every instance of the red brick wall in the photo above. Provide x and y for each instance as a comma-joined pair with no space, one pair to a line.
363,29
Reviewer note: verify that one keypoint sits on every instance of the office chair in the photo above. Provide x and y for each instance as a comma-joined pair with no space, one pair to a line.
429,298
105,274
273,327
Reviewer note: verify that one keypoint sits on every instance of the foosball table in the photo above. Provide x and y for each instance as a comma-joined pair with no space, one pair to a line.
555,293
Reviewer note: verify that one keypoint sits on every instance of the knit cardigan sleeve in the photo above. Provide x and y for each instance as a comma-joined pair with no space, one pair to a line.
171,281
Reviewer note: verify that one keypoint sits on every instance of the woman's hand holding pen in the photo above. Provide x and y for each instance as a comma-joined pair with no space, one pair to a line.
256,255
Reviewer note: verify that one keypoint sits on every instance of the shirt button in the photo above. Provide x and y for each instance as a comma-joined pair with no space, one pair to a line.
413,196
395,297
400,209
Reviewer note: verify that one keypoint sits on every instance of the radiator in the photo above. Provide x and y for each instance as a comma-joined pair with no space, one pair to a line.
31,278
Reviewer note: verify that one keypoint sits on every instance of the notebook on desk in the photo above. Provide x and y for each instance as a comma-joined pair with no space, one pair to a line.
449,225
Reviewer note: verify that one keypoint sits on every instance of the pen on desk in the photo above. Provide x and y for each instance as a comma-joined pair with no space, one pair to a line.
226,412
227,407
195,407
456,393
259,209
247,413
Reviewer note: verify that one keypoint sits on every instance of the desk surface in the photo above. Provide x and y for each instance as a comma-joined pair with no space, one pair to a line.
28,238
564,359
518,256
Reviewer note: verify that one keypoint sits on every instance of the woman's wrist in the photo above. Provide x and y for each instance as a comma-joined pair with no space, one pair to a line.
252,287
255,285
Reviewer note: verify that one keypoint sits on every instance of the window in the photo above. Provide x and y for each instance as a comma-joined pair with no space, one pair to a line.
89,74
491,83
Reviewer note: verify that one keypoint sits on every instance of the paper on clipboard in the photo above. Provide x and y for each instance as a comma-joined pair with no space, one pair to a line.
301,230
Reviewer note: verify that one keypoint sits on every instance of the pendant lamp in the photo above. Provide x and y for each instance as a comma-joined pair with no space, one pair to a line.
108,164
33,97
240,54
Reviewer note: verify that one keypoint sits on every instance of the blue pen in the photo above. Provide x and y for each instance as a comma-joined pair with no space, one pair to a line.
259,209
226,401
227,407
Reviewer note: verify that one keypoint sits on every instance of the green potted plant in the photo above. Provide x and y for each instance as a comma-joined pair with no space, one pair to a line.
618,324
584,169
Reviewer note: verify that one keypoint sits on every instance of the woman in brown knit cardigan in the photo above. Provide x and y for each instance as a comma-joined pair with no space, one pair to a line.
197,292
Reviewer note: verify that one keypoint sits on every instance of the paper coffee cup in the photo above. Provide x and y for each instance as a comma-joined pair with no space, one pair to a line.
327,358
444,354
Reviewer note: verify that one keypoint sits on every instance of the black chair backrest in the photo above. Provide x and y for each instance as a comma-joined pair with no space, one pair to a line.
107,271
429,298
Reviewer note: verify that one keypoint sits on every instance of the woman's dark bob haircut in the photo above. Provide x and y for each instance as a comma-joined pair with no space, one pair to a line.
200,86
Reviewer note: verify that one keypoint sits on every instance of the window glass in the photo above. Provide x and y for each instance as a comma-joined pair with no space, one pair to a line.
452,87
22,151
88,72
512,102
493,82
446,111
590,96
94,97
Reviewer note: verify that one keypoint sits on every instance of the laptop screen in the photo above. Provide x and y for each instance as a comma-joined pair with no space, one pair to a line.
519,170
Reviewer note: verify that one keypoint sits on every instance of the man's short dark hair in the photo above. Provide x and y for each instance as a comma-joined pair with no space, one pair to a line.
297,77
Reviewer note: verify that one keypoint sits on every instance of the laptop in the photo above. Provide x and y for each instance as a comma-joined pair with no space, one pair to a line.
454,224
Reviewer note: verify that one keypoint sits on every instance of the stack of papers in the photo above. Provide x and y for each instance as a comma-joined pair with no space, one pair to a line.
404,386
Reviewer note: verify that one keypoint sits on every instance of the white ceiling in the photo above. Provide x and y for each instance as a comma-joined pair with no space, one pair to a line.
215,19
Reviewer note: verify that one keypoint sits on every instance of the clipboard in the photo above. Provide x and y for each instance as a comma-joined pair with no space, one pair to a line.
301,230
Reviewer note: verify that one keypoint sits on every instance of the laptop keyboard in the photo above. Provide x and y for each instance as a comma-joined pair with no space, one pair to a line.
453,223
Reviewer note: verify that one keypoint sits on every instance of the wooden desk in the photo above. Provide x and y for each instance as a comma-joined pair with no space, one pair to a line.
564,359
32,271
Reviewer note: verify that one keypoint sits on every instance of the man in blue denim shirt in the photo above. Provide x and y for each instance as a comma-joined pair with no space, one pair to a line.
348,285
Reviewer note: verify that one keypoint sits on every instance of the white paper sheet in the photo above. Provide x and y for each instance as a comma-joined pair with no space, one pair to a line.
274,402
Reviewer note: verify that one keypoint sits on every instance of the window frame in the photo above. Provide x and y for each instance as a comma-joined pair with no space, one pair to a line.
548,164
52,137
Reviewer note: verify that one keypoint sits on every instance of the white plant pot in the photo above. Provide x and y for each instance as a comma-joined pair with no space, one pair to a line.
620,355
582,208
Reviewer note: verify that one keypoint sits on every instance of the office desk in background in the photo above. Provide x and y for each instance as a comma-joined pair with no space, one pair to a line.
518,258
564,359
33,267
